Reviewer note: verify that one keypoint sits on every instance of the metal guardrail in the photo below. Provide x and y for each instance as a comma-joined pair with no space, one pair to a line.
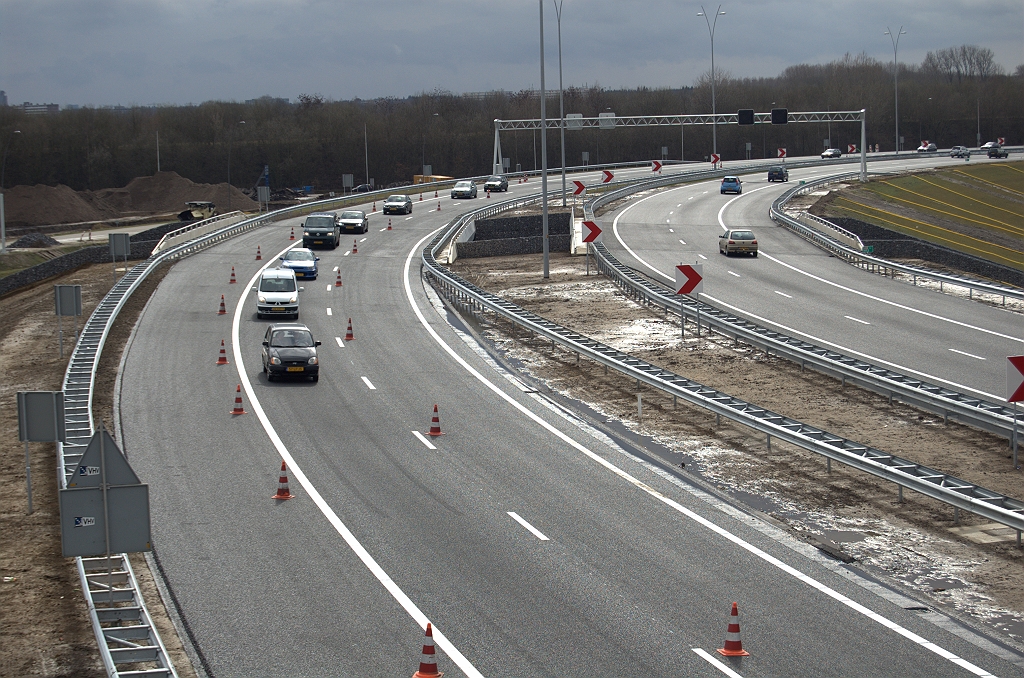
855,257
905,473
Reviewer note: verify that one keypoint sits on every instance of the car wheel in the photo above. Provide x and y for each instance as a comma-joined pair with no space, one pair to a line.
754,254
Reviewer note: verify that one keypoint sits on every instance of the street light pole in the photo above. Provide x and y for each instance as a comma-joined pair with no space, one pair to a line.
714,111
561,103
543,146
895,77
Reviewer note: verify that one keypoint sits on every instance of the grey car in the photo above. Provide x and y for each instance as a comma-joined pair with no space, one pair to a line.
464,189
738,240
496,183
398,204
290,351
354,221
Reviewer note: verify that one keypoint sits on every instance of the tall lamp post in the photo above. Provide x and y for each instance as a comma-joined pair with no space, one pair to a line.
895,77
231,140
543,147
561,104
3,171
714,112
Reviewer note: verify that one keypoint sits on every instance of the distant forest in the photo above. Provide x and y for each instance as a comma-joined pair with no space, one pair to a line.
315,141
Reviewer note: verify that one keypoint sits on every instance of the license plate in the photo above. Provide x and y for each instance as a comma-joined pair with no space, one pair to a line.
277,310
318,242
296,369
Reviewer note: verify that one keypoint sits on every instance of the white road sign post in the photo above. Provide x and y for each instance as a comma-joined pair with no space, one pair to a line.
1014,393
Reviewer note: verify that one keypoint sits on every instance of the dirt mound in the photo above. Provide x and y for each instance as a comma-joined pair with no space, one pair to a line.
34,240
40,205
168,192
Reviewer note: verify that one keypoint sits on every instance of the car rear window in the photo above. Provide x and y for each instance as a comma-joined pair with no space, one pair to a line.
354,214
292,339
277,285
319,222
730,180
742,235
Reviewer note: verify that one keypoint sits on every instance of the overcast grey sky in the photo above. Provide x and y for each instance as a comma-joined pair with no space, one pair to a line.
101,52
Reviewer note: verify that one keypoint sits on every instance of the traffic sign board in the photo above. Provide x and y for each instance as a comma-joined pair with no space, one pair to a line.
1001,141
1015,379
715,158
851,148
655,166
782,152
689,279
608,176
579,187
593,231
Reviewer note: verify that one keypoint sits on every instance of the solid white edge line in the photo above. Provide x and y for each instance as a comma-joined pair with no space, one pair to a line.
749,315
969,355
371,564
710,659
536,533
722,532
341,344
423,439
368,384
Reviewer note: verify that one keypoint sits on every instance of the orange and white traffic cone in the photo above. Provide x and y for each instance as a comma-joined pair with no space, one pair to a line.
389,223
223,310
292,236
438,205
222,359
233,280
435,194
374,206
337,283
435,424
421,196
348,333
258,255
428,662
733,645
355,247
282,485
488,195
238,401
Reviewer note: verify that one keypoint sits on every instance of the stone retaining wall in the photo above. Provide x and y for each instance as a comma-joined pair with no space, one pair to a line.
522,234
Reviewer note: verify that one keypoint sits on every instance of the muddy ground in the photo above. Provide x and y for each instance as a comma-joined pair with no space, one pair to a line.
916,543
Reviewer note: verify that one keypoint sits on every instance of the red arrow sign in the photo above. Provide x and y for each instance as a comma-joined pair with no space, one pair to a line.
1015,378
608,176
655,166
689,278
579,187
782,152
851,148
593,231
1001,141
715,158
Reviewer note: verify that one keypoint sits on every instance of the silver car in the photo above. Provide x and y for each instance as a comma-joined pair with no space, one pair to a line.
354,221
398,204
739,240
464,189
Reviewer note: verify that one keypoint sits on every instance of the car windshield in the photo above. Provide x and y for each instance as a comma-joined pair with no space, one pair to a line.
742,235
497,179
353,214
300,255
292,339
319,222
396,198
464,184
277,285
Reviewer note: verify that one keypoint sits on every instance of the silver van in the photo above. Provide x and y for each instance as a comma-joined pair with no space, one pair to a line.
277,293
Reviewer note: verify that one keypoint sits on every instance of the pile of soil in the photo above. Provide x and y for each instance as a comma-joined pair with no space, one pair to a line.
35,240
162,193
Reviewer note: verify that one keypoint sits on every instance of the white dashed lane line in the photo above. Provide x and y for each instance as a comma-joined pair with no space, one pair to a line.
536,533
341,344
329,311
856,320
329,288
363,240
706,656
381,230
368,384
969,355
430,445
346,253
408,218
735,274
681,242
335,269
783,294
671,230
702,256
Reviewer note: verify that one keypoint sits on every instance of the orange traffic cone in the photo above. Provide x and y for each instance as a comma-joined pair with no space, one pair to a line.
223,358
282,485
733,645
348,333
488,195
355,247
238,401
233,280
258,255
222,310
389,223
438,205
435,424
292,237
428,663
337,283
374,206
435,194
421,196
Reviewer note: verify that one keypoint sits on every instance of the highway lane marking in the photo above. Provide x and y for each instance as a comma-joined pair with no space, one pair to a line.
710,659
735,274
671,230
681,242
329,311
783,294
341,344
969,355
363,240
671,213
794,331
856,320
536,533
346,253
382,230
430,445
335,269
302,479
368,384
328,288
721,531
408,218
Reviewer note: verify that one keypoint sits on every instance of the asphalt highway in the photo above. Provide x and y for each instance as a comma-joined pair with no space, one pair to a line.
796,288
534,545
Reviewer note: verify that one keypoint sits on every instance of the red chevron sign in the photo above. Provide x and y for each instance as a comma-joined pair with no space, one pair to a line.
579,187
1015,378
655,166
689,278
608,176
594,231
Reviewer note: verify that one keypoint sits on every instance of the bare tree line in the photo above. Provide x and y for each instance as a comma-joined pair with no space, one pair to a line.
948,99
